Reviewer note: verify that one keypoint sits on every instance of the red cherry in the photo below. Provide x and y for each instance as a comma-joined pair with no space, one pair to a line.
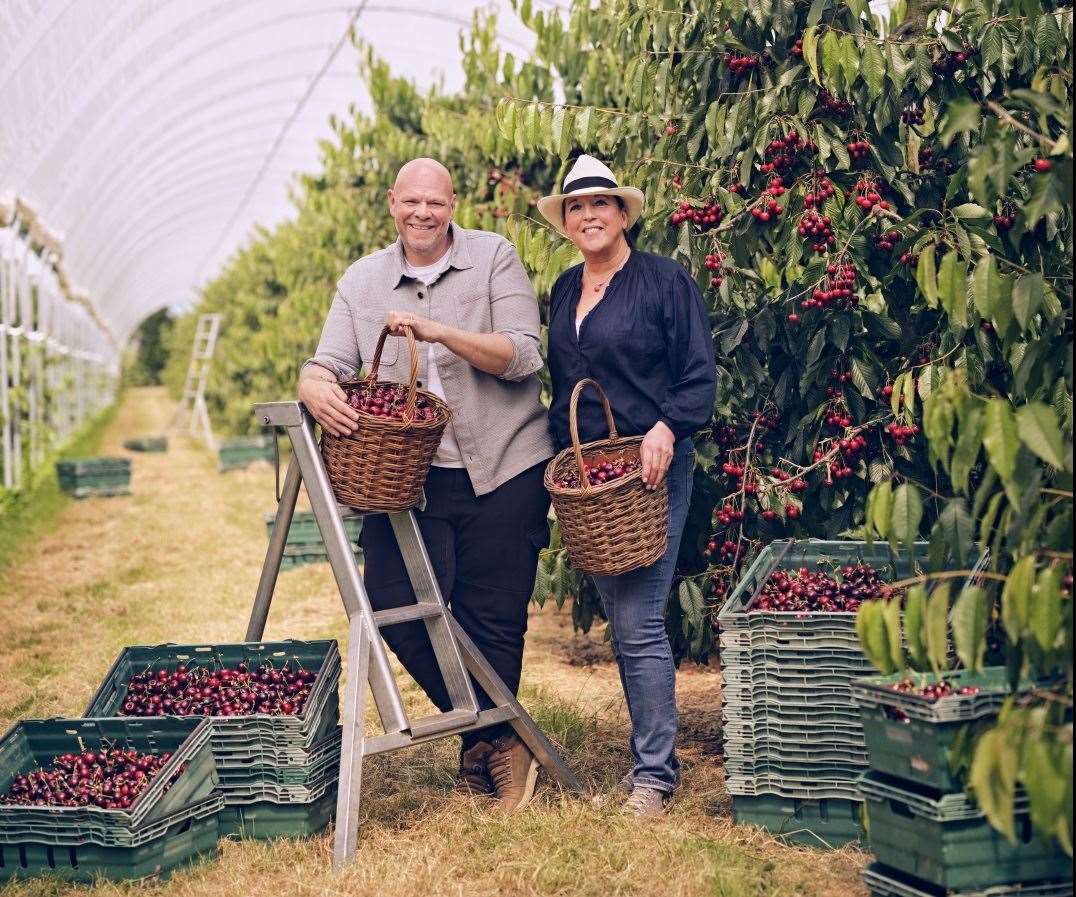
1043,165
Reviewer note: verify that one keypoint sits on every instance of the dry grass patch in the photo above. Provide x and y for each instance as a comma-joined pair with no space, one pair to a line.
179,561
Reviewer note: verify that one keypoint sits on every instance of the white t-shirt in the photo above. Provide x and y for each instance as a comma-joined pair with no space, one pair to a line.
448,453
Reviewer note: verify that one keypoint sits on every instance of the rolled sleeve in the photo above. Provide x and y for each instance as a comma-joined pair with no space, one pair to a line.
338,349
514,313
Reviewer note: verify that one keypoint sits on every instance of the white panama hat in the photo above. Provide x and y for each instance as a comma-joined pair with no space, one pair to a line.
589,176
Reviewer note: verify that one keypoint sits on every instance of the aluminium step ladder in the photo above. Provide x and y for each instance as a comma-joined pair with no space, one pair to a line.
191,414
367,659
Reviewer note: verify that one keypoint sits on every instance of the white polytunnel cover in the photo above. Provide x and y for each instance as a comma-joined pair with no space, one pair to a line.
147,138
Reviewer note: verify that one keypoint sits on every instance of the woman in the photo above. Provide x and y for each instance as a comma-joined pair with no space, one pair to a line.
636,323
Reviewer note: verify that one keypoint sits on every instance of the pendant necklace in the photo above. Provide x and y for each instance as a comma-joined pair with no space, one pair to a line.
598,286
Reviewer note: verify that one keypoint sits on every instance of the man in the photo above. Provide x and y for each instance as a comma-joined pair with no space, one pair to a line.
467,299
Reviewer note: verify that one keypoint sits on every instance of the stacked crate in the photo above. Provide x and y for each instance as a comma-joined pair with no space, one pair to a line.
147,444
793,740
86,477
172,823
928,835
305,545
238,453
277,773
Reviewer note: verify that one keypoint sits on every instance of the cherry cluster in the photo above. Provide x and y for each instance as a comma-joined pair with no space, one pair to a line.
949,63
804,590
705,217
742,65
867,196
912,114
934,690
837,416
886,240
726,548
723,434
902,433
822,190
838,288
929,161
1006,219
600,471
727,514
714,263
909,258
769,209
857,149
817,230
111,779
227,691
794,484
389,400
833,106
734,470
782,153
797,47
736,188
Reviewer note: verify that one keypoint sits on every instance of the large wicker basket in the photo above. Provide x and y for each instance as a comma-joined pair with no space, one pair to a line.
616,526
383,464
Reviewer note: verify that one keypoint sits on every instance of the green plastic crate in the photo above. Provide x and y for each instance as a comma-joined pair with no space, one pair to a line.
189,777
237,453
90,466
304,528
782,751
739,712
320,713
814,786
192,841
816,823
323,760
911,737
948,842
886,882
147,444
264,820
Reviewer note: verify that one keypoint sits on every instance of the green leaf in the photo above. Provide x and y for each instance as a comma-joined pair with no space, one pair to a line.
953,289
970,617
915,619
926,277
1039,431
993,778
906,515
937,628
584,126
1026,298
810,49
959,528
970,210
831,56
968,443
870,627
880,509
987,287
849,58
1016,598
891,619
873,69
963,115
1045,617
1001,438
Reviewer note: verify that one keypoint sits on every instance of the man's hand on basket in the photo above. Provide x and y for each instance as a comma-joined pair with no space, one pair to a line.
326,401
425,330
656,453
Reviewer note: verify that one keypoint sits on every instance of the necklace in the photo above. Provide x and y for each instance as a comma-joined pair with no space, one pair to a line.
597,287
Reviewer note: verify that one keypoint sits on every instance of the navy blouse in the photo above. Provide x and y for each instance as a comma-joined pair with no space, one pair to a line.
648,343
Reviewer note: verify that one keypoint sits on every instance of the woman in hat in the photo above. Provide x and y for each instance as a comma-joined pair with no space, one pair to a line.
636,323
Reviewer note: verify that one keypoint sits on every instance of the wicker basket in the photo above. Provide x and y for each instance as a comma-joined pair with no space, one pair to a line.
383,464
616,526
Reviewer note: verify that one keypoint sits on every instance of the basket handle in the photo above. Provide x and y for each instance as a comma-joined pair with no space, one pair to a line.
573,424
412,346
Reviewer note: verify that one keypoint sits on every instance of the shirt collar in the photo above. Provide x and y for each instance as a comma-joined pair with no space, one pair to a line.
458,255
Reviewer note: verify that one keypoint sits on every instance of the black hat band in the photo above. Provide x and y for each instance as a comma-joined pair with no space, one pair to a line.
584,183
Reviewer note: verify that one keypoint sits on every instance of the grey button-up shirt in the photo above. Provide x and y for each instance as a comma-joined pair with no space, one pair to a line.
500,422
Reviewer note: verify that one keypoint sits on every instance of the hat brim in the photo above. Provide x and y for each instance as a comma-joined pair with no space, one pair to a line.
552,207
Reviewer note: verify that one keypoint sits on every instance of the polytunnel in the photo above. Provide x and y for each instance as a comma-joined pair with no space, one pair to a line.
140,143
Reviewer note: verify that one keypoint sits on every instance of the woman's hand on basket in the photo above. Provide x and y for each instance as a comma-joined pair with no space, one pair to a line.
425,330
327,402
656,453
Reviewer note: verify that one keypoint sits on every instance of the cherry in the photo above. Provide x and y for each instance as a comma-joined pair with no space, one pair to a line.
600,469
389,400
793,319
833,106
804,590
671,129
1042,165
887,390
912,115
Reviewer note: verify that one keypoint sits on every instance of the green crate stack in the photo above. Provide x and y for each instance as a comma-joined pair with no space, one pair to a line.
89,477
885,882
175,821
147,444
304,545
923,827
275,768
235,454
793,741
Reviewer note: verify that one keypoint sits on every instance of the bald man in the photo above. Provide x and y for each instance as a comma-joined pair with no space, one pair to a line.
467,299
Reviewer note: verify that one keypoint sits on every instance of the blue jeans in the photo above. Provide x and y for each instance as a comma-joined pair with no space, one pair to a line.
635,605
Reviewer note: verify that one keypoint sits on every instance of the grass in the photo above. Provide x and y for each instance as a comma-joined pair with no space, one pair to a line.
179,560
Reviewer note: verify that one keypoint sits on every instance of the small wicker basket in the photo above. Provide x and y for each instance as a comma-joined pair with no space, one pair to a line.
383,464
616,526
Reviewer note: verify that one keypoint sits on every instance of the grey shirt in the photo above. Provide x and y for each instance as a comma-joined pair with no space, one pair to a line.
499,421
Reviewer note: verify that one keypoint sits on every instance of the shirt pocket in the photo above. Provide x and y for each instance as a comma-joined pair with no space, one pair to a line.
473,311
368,324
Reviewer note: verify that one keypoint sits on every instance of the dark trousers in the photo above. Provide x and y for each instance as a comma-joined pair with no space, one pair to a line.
484,551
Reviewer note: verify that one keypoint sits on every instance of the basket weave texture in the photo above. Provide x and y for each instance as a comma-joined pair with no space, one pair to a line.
383,464
615,526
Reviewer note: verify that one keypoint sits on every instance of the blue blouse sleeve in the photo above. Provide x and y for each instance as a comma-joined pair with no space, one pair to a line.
688,403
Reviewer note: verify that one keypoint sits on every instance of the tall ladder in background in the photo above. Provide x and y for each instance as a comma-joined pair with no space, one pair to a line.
191,415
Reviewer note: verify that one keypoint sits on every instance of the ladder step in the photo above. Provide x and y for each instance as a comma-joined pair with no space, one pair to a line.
442,722
406,614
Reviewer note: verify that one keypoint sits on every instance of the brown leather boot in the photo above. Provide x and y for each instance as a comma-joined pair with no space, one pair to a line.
514,771
473,777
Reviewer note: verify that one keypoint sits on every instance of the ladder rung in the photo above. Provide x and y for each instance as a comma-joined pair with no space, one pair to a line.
393,615
442,722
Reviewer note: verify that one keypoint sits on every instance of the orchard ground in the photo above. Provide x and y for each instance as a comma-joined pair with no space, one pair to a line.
178,561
